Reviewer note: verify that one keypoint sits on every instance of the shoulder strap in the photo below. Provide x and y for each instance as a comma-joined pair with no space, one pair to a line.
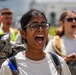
23,40
13,66
13,60
56,62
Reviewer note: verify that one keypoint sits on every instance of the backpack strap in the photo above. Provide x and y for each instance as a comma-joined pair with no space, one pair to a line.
56,62
23,40
13,66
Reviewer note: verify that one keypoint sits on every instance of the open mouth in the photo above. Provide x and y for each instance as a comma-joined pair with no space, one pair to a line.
39,39
8,23
73,26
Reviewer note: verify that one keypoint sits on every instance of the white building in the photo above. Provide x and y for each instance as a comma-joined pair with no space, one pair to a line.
54,8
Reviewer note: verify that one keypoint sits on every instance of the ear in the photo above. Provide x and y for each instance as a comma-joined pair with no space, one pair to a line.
61,23
2,17
23,34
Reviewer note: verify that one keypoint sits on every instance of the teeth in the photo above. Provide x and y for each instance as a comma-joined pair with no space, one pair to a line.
39,35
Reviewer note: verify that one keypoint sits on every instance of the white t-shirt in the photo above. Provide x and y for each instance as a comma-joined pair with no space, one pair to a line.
68,45
31,67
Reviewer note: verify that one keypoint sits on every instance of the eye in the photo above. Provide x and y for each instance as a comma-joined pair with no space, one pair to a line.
34,25
44,25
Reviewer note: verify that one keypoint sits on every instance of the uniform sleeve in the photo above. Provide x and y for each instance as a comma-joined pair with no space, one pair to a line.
5,70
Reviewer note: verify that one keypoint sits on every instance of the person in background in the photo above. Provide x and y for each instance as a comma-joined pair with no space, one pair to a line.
6,24
66,40
34,61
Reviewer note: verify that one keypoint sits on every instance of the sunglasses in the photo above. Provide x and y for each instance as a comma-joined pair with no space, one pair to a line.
70,19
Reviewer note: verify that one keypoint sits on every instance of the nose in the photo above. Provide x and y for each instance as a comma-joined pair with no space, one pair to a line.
40,28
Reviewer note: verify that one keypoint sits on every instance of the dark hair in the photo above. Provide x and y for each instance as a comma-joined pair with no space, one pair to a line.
7,11
27,17
60,31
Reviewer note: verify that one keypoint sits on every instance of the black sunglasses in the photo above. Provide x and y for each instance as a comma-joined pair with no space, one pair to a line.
70,19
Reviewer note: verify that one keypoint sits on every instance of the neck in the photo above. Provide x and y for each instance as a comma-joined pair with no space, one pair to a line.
69,35
35,55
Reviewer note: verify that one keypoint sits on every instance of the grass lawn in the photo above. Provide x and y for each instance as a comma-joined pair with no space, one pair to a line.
52,30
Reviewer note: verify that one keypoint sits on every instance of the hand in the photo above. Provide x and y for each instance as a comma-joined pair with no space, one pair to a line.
70,57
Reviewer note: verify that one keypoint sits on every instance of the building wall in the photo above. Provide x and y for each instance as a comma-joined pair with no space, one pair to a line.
53,10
